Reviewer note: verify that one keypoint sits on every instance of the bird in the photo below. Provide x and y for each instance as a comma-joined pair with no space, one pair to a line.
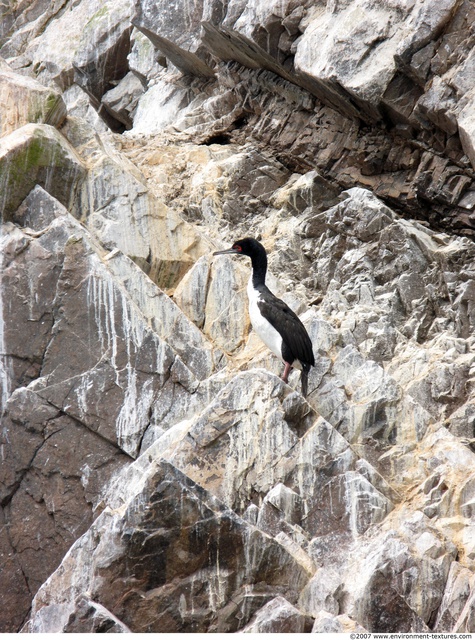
272,319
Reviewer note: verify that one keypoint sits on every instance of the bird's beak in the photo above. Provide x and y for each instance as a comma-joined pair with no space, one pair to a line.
220,253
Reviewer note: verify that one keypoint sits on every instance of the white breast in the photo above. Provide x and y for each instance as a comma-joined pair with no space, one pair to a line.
266,332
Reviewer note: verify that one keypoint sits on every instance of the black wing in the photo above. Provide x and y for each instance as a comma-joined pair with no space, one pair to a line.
296,343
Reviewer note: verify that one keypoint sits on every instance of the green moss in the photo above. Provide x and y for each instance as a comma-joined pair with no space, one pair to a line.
54,108
51,102
19,170
36,111
39,153
21,167
42,109
97,17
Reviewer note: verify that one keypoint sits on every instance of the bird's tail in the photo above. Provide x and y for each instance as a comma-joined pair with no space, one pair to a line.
304,379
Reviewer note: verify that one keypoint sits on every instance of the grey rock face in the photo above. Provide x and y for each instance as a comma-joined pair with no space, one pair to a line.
69,432
174,29
278,616
121,101
91,617
51,479
157,475
213,542
101,57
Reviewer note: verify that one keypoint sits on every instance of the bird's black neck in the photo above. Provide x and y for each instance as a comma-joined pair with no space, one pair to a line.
259,269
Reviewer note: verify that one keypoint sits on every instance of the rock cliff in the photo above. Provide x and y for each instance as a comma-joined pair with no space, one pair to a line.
156,473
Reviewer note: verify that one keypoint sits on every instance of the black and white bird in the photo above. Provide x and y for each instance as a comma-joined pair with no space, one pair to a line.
274,321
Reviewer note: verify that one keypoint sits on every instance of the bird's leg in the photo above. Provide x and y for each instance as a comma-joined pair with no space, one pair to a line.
287,370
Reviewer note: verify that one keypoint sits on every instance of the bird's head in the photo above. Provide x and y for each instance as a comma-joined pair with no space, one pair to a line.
245,247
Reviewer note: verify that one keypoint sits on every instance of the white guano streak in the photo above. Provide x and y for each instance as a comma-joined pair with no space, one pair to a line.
5,365
108,300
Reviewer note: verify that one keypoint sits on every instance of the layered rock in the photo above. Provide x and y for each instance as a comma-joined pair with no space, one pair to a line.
156,474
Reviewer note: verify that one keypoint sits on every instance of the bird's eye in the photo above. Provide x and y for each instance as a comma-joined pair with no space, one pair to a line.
237,247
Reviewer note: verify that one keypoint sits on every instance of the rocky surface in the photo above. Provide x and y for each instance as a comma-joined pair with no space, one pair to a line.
157,475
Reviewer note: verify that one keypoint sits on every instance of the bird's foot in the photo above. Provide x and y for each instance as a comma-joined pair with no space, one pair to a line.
287,370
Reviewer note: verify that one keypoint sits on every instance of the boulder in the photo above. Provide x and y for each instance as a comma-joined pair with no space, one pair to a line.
223,570
25,100
37,154
121,101
278,616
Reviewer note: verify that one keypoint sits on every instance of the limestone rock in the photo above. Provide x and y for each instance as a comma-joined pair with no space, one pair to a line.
166,319
378,37
21,24
163,24
465,621
278,616
111,386
156,474
50,54
92,617
96,390
159,106
212,295
327,623
394,605
149,529
457,591
192,291
50,485
265,24
123,214
226,306
37,154
307,191
467,129
340,498
121,101
101,56
24,100
30,271
143,59
38,210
